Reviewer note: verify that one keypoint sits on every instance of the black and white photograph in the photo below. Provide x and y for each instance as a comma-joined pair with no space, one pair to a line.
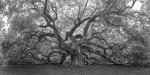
74,37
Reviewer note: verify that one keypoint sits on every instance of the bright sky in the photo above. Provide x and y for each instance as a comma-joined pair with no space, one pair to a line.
5,19
137,6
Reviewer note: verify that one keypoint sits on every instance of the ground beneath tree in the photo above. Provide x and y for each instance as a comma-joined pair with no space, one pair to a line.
85,70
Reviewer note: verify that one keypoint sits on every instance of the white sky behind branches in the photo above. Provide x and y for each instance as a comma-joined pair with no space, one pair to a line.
136,7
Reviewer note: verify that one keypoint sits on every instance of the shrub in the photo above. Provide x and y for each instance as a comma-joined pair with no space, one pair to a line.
137,56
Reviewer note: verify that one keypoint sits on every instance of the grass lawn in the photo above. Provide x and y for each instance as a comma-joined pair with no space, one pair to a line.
84,70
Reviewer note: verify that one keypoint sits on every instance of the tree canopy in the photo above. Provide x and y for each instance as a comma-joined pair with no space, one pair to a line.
81,31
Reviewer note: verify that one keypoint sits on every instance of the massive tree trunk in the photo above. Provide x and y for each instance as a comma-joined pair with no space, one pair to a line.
76,59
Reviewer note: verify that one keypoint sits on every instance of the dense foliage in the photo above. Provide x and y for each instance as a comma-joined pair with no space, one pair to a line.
76,32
